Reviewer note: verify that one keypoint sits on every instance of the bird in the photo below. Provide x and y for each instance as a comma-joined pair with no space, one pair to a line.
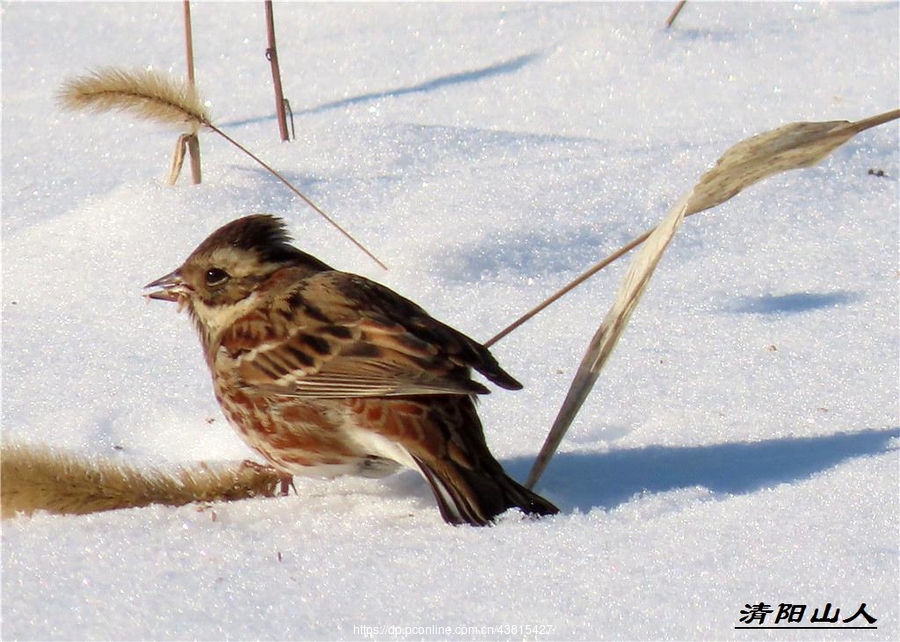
324,372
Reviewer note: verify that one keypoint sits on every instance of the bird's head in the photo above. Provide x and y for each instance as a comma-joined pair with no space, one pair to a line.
219,280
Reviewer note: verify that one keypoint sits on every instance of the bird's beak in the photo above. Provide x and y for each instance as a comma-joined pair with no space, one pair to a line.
171,287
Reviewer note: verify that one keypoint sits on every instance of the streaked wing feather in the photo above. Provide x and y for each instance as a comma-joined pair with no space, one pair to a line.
372,363
357,298
349,377
363,341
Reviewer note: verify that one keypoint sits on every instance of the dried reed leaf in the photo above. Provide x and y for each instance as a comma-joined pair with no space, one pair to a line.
792,146
37,478
144,93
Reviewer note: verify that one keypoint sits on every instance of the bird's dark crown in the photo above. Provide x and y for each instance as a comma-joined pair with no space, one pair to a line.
262,234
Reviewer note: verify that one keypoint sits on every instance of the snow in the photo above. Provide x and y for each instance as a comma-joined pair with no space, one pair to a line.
740,447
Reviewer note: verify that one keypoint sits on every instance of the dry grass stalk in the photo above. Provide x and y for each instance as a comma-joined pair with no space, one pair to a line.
571,285
272,55
193,142
36,478
792,146
678,7
155,97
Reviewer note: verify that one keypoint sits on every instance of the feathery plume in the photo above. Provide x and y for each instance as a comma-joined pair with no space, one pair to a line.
145,93
38,478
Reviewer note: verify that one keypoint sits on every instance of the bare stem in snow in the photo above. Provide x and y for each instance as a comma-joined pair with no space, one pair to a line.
678,7
193,143
272,55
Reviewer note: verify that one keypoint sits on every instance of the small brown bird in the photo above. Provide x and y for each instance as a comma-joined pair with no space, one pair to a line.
327,372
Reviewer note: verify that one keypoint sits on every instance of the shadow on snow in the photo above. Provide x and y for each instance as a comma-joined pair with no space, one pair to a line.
585,481
498,69
794,302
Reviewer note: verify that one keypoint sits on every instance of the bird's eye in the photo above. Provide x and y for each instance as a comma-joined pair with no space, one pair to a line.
216,276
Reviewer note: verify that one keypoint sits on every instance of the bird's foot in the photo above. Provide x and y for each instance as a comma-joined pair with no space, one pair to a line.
286,482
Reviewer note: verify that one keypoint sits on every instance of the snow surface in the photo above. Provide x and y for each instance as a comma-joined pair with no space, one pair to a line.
741,447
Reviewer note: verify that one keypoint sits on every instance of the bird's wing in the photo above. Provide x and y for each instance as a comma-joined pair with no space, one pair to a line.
344,336
449,347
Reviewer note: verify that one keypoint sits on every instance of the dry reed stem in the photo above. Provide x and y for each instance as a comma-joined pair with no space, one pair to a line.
792,146
272,55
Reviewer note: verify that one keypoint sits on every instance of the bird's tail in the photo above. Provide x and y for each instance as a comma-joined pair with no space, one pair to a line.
469,496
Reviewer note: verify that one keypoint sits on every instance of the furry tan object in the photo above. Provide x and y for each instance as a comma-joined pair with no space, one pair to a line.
146,94
37,478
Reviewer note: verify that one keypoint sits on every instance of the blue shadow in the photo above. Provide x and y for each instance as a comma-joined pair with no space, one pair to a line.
794,303
585,481
498,69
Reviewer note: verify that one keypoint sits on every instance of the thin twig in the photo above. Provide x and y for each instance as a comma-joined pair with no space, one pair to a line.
675,12
272,55
571,285
287,183
193,143
574,283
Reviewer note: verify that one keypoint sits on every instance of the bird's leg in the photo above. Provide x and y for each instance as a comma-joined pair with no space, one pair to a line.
286,482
